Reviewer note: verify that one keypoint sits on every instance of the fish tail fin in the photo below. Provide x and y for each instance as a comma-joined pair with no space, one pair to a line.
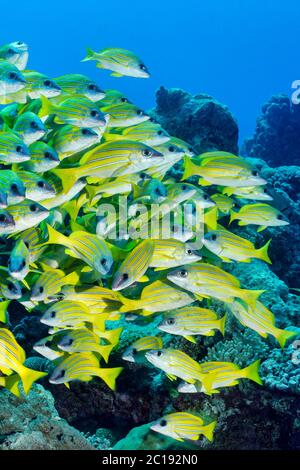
251,296
113,336
55,238
89,55
262,253
12,384
68,176
233,216
47,107
29,376
3,310
72,279
109,376
283,335
105,351
252,372
208,431
190,168
211,218
222,322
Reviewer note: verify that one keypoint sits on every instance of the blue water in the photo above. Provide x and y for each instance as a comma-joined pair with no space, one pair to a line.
239,51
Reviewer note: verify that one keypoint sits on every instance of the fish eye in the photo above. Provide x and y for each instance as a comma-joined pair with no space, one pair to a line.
48,155
254,173
14,188
189,251
13,75
159,353
41,184
143,67
139,112
124,100
170,321
143,176
52,314
94,113
11,286
41,289
69,342
184,187
23,264
265,191
2,217
190,149
280,217
34,125
61,374
125,277
134,351
86,131
205,197
92,87
146,153
103,262
48,82
159,132
48,344
20,43
183,273
171,149
19,149
26,244
33,208
213,236
163,423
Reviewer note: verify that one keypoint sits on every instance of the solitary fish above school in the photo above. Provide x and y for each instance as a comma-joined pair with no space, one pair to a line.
119,61
263,215
184,426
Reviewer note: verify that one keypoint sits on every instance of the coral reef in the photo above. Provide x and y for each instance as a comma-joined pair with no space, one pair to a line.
277,134
200,120
36,424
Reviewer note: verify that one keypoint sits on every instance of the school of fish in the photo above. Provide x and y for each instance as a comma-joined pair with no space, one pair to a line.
68,147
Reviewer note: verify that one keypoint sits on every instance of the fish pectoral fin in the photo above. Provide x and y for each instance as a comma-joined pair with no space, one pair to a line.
143,279
67,385
190,338
203,182
160,269
226,260
116,74
199,297
171,377
260,229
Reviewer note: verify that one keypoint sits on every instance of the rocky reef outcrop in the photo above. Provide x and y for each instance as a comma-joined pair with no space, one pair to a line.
32,423
277,134
200,120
